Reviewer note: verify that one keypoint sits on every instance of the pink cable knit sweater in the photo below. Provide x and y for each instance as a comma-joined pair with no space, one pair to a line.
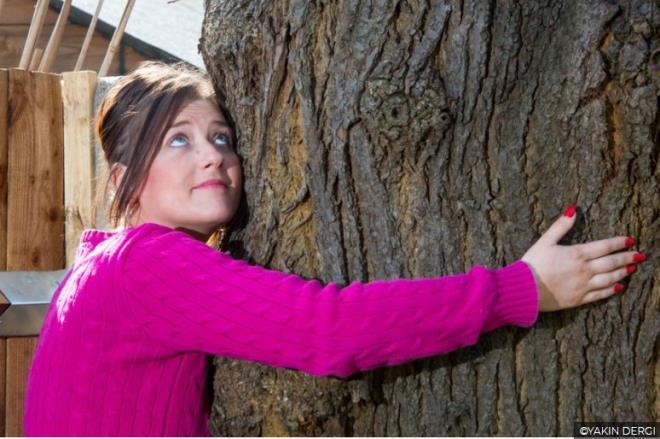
125,341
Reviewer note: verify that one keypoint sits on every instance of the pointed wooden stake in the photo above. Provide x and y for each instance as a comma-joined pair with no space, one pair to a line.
55,38
88,37
35,28
116,38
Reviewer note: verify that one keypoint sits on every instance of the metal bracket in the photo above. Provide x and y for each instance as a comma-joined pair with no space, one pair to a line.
28,295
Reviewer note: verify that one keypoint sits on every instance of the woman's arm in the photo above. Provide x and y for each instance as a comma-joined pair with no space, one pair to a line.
191,297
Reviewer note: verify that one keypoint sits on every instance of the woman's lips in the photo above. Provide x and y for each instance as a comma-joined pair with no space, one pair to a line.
211,184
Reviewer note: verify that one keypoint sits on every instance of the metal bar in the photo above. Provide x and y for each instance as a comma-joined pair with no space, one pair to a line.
29,294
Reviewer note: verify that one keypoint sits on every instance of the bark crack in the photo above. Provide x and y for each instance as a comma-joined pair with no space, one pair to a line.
530,179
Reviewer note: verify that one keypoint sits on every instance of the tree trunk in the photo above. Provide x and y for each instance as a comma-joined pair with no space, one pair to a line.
410,139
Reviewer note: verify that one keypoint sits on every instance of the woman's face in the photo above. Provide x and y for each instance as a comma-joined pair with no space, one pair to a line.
197,149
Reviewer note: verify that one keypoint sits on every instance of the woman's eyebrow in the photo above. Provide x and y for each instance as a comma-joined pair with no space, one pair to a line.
187,122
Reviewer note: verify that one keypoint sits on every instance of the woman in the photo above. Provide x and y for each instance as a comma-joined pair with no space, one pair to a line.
125,341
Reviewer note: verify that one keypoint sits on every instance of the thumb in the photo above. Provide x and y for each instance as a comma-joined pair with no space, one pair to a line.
561,226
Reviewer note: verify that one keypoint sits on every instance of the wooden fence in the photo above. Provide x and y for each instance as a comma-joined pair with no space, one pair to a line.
48,183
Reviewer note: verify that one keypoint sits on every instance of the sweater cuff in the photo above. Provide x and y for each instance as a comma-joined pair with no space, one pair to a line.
517,297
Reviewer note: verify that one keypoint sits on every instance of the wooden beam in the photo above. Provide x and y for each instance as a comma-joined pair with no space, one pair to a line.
35,202
55,38
35,28
78,93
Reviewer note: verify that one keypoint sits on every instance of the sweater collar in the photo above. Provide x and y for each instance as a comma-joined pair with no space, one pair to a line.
94,237
91,238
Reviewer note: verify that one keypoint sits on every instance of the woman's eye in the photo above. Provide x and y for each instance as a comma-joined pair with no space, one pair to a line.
221,140
178,140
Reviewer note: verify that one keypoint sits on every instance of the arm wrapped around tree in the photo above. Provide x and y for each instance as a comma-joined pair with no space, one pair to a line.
189,297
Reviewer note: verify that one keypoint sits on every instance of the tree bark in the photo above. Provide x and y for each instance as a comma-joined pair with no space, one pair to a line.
410,139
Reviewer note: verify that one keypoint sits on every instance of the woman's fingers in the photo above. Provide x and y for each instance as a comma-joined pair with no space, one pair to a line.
609,271
596,249
612,262
602,293
605,280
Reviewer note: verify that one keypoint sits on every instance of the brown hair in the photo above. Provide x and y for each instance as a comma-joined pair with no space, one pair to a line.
134,117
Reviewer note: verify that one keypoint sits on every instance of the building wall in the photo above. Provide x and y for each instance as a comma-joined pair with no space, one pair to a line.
15,19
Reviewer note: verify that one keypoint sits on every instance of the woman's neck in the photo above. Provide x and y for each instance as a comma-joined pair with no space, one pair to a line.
196,234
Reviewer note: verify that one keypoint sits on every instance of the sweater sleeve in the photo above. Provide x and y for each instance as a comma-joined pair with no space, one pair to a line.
190,297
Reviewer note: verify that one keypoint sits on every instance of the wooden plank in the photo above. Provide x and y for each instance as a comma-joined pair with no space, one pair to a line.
35,203
4,90
20,351
3,383
78,94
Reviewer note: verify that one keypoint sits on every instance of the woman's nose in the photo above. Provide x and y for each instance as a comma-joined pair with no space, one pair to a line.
209,154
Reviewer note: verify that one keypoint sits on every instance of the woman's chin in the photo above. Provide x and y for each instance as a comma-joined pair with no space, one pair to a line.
211,222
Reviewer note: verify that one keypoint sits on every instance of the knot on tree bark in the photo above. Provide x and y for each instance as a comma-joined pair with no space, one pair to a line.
409,120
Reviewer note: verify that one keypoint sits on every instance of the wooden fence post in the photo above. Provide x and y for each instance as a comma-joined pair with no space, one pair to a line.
35,204
19,353
44,118
79,194
34,208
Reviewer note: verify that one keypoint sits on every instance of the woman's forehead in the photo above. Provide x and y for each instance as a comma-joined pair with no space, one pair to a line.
200,110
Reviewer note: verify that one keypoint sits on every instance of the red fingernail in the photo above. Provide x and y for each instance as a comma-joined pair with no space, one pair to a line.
630,241
618,288
639,257
570,211
630,268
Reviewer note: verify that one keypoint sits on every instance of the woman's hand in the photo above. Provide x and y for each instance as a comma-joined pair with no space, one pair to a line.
569,276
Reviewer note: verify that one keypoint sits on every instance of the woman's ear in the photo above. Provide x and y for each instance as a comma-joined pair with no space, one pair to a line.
116,174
